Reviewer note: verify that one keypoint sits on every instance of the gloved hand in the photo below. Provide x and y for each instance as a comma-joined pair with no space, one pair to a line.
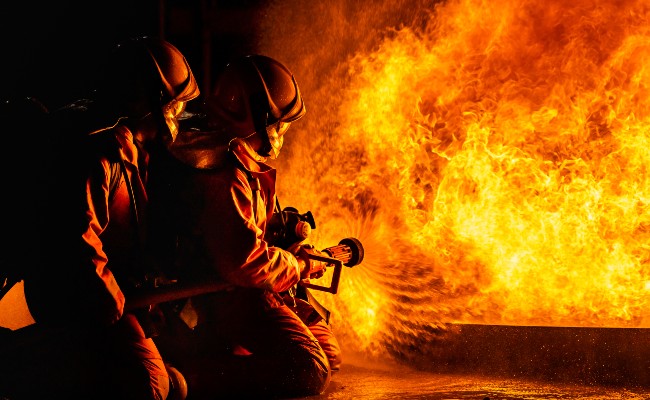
310,268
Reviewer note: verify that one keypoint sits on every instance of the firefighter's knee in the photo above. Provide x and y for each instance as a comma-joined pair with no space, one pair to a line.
312,374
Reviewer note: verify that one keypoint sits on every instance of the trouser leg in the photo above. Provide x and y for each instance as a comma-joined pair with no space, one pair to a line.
112,363
328,342
134,363
286,358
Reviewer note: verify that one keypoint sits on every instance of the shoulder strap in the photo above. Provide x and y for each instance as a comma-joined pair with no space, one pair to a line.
118,170
116,178
252,181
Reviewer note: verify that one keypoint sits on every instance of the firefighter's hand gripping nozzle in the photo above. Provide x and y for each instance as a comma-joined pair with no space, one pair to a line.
284,229
348,252
288,228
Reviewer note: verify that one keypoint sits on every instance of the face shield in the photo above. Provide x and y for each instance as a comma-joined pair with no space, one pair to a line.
275,134
171,111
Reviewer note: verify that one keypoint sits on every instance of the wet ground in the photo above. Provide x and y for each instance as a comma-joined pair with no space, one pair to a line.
481,362
487,362
358,381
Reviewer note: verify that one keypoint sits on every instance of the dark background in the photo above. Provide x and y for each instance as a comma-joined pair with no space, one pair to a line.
53,49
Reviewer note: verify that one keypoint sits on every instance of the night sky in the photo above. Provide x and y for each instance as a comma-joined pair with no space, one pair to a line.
52,48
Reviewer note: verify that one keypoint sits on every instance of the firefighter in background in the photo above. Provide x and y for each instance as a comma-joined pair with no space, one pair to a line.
217,198
91,232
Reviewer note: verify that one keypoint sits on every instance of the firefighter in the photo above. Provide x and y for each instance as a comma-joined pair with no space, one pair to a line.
220,193
90,249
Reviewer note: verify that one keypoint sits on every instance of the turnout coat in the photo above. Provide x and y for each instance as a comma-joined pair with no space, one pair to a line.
90,204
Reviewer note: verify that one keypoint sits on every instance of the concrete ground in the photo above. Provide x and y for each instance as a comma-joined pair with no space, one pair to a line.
358,381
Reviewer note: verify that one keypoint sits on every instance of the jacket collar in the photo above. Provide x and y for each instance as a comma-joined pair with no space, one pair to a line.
247,157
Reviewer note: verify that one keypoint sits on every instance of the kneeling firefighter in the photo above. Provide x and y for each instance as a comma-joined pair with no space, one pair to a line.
215,196
87,257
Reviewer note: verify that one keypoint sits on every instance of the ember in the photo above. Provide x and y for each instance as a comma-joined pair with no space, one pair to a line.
491,156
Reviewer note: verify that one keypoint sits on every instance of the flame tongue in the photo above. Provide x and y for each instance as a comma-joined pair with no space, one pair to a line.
502,154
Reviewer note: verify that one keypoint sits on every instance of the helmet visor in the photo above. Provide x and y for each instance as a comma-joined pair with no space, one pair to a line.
171,111
276,137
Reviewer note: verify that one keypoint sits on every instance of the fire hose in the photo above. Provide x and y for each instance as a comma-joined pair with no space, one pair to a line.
349,252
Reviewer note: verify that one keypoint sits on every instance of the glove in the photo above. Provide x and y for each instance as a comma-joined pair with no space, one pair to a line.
310,269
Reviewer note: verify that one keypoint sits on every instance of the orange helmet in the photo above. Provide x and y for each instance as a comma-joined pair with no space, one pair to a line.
155,66
176,78
253,93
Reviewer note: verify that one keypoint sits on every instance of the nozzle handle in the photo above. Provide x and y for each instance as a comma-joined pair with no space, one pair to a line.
348,252
336,275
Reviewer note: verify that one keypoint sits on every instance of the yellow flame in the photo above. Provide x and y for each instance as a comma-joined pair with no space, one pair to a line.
494,162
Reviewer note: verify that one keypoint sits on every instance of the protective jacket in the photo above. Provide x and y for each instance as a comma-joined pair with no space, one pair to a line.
224,194
74,280
225,207
89,257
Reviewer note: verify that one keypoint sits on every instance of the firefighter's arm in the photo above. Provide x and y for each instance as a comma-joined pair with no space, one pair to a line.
309,268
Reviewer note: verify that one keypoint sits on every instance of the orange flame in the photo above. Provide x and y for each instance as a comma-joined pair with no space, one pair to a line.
493,160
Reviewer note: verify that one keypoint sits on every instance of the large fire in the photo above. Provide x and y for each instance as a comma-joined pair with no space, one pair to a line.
492,156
